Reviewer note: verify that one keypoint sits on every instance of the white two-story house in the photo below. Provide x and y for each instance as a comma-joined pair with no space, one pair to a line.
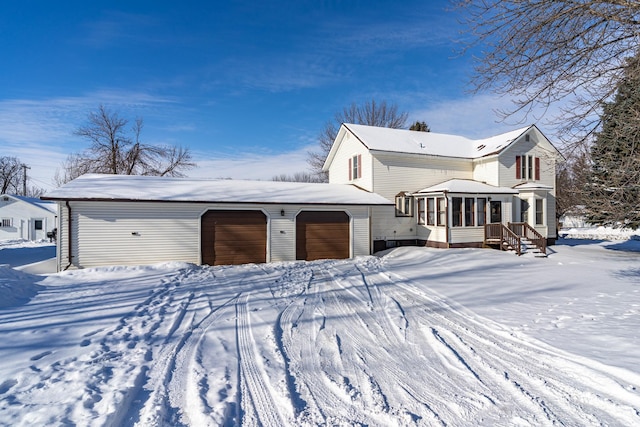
451,191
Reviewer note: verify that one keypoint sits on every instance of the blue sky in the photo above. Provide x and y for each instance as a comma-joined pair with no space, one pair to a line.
247,86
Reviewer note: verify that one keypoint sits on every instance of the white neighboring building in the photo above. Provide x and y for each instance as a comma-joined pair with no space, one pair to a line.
26,218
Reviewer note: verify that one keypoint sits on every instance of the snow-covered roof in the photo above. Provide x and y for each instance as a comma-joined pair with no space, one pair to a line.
431,143
467,186
533,186
42,204
152,188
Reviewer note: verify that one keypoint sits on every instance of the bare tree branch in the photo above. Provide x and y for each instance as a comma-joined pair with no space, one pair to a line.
547,52
115,149
371,113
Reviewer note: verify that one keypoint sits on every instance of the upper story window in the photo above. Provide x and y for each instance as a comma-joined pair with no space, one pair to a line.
528,168
404,204
355,167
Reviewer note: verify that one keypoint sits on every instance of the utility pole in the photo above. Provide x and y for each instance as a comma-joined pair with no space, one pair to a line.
24,179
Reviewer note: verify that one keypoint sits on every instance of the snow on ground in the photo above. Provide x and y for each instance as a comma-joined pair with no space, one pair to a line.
418,336
21,252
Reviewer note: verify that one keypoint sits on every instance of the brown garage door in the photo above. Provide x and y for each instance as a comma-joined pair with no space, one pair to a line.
233,237
322,235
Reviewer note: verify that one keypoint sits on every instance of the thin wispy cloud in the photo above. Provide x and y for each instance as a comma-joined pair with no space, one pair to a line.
479,116
116,27
250,165
40,131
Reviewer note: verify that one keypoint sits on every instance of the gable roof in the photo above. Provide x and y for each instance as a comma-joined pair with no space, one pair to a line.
467,186
38,203
100,187
427,143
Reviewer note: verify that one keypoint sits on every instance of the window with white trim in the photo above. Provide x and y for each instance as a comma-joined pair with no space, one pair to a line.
404,204
469,212
528,168
539,212
456,212
442,211
482,210
421,210
5,222
355,167
431,211
463,212
524,210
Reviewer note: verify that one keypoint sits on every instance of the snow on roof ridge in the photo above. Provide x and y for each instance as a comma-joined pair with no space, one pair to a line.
172,189
37,202
432,143
471,186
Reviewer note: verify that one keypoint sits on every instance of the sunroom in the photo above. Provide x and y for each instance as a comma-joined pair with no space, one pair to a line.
456,213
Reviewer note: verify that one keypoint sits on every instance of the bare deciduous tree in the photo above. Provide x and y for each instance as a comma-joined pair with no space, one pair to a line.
371,113
571,177
114,151
552,52
10,175
12,178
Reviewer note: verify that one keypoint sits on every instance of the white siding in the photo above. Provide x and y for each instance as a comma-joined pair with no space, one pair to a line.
132,233
62,253
467,235
385,225
536,147
548,228
394,173
339,170
22,216
486,170
507,167
111,233
282,229
360,240
432,233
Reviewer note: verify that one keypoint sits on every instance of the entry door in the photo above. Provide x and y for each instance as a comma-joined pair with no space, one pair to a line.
496,211
37,229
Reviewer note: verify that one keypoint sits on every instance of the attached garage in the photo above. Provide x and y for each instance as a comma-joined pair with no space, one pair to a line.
233,237
135,220
322,235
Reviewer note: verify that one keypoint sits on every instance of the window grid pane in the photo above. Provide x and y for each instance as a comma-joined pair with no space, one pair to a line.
431,211
469,213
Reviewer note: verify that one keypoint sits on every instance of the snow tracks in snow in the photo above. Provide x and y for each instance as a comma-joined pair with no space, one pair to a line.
287,344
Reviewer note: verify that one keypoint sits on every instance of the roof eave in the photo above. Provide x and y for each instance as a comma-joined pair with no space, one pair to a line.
234,202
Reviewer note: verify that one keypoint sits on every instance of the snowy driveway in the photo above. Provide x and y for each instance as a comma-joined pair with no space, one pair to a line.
322,343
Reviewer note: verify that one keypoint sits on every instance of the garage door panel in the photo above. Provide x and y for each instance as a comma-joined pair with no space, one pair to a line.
322,235
233,237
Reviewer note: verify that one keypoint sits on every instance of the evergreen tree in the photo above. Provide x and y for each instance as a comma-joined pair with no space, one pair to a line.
613,186
420,126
